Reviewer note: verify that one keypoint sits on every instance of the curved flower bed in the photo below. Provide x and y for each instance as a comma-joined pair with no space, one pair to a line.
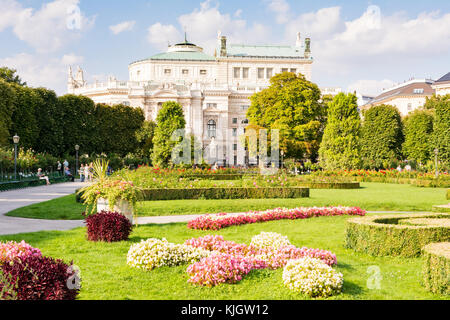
223,220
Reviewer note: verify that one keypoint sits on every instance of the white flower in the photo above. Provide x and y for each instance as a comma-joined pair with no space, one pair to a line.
270,239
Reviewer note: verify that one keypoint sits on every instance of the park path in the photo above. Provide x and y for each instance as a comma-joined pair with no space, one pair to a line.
14,199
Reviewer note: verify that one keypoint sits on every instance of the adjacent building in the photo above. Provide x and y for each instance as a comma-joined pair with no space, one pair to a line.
442,86
213,90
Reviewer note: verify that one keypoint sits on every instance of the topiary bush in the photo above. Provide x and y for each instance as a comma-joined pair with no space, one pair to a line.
108,226
385,236
38,278
436,267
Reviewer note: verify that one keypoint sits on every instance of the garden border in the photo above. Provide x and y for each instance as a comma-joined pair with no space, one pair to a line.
436,267
383,236
331,185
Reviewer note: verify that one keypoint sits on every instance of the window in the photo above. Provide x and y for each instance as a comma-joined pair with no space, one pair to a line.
185,72
234,132
284,70
269,72
418,91
245,73
211,105
139,73
409,106
237,73
167,72
235,120
203,72
235,147
243,108
260,73
235,161
211,129
294,70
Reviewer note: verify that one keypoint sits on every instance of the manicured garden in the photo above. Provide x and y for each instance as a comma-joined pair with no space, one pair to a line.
106,275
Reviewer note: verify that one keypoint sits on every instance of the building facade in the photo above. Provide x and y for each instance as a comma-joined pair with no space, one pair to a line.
442,86
213,90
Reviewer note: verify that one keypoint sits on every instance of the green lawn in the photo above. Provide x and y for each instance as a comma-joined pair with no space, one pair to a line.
372,197
106,276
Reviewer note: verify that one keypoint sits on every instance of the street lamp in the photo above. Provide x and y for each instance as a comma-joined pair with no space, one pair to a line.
16,140
77,147
436,152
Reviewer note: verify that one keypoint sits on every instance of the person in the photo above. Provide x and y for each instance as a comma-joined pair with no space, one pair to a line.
65,164
86,173
42,176
69,174
91,171
408,167
399,168
82,173
59,168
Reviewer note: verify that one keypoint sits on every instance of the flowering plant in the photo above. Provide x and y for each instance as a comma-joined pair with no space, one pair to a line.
12,250
223,220
270,239
312,277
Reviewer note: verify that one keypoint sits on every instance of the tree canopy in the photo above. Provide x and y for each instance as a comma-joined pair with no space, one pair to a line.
418,129
10,76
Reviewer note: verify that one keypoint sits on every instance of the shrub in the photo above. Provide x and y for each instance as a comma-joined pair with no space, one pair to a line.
108,227
436,267
384,236
155,253
312,277
38,278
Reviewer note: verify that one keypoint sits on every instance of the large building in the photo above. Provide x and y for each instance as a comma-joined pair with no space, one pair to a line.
407,96
442,86
214,90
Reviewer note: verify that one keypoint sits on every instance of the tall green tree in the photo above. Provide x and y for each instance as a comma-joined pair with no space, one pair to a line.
441,128
7,99
292,105
418,130
340,147
382,136
169,119
144,138
10,76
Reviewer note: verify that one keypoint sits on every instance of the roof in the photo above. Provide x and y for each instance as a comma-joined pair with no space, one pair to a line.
240,50
406,90
183,56
445,78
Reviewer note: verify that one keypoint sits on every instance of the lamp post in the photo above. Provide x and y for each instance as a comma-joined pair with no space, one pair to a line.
436,152
77,147
282,158
16,140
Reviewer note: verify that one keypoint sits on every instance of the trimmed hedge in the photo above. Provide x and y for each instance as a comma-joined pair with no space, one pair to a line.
448,194
331,185
436,267
225,193
214,176
384,236
6,186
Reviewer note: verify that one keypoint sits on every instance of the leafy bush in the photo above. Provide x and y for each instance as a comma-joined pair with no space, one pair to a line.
384,236
108,227
38,278
312,277
436,267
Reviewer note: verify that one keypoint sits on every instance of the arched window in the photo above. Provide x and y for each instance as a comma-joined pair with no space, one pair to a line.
211,129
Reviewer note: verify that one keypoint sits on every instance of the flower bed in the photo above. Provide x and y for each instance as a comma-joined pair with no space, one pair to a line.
385,236
312,277
10,251
223,220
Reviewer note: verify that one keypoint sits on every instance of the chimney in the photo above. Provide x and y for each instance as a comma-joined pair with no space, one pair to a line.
298,43
223,47
307,47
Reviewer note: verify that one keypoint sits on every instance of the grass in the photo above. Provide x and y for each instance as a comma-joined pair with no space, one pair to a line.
372,197
105,274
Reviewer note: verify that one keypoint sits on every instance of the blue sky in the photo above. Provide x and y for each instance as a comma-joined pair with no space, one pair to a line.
357,45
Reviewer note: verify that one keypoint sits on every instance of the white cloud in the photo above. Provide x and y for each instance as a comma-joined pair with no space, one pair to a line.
161,35
238,13
370,87
47,29
39,70
123,26
281,9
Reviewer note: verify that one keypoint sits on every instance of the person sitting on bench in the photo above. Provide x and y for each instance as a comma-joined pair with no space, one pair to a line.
42,176
69,174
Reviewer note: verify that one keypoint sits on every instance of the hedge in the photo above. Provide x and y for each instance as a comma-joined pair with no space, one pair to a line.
331,185
384,236
436,267
448,194
429,183
5,186
214,176
225,193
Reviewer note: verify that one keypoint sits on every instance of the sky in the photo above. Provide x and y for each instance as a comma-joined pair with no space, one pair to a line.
365,46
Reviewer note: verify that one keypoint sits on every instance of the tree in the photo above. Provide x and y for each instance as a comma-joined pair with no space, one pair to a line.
169,119
382,136
10,76
441,128
144,138
418,131
79,122
340,147
7,99
292,105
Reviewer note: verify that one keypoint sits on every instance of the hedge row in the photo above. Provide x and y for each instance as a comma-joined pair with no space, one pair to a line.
384,236
430,183
436,267
448,194
5,186
214,176
331,185
225,193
